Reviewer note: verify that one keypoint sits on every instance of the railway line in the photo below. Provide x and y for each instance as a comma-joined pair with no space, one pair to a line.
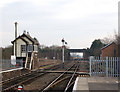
64,81
12,84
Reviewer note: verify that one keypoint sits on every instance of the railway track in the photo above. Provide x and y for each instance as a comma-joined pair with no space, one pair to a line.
64,81
12,83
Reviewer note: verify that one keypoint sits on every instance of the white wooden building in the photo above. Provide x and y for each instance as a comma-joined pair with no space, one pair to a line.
23,45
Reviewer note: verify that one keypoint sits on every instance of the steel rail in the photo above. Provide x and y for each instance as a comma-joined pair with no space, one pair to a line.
56,79
13,86
23,81
15,78
71,79
26,74
60,81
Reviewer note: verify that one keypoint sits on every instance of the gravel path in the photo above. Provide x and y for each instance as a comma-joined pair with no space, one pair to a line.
44,80
41,82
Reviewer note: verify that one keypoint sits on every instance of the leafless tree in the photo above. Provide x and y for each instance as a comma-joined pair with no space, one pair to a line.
111,38
117,38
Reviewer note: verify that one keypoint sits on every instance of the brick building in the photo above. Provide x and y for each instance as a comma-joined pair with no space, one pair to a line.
110,50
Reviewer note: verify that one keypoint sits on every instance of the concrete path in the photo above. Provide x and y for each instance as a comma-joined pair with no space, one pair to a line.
93,84
81,84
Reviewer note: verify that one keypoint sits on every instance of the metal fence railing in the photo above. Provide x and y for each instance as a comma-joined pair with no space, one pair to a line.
7,64
108,66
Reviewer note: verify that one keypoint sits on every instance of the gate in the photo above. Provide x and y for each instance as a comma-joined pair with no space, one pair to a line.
108,66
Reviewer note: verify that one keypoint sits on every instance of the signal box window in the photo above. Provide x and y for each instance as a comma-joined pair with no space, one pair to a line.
30,48
23,48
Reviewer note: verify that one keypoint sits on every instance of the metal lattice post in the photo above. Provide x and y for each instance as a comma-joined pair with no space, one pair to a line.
96,65
117,67
63,54
90,64
107,66
63,41
111,66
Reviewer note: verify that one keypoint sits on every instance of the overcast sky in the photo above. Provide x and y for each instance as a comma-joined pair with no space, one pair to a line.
79,22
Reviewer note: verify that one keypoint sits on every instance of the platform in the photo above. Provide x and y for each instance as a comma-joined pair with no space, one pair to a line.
11,73
91,84
9,70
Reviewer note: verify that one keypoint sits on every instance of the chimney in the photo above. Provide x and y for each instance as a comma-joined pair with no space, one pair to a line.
24,31
16,30
15,45
28,33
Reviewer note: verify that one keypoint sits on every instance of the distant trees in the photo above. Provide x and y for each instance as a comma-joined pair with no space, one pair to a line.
52,52
95,48
111,38
87,53
108,40
117,39
96,45
43,51
118,42
7,52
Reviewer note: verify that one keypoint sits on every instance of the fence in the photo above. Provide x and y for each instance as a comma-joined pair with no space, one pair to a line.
7,64
108,66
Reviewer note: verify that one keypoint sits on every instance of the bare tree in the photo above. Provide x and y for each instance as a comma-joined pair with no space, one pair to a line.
110,38
42,46
117,38
107,40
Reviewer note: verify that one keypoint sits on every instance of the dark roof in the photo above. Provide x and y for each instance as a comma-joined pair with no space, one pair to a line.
27,36
107,45
23,40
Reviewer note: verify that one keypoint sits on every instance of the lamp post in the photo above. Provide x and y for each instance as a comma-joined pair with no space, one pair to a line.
63,42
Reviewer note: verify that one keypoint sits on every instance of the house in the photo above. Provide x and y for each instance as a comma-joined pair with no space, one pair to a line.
110,50
24,45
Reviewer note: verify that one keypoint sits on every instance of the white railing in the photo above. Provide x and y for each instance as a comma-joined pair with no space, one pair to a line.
108,66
